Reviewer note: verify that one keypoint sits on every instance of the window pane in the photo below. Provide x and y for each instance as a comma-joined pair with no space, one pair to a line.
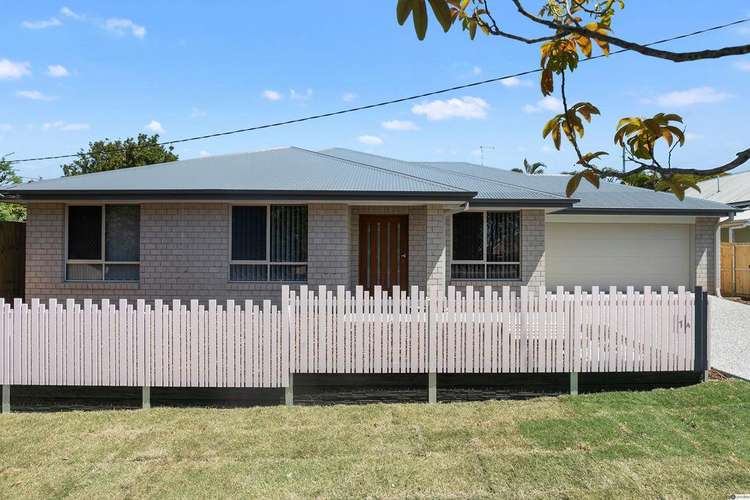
503,237
248,272
289,233
503,271
83,272
122,233
85,233
248,233
121,272
288,273
467,271
467,236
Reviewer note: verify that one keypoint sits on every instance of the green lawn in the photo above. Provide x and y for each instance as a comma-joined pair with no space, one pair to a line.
692,442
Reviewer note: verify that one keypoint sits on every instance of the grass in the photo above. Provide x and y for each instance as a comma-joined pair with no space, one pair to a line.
691,442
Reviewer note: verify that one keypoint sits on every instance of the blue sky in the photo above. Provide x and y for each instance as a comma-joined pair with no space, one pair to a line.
80,71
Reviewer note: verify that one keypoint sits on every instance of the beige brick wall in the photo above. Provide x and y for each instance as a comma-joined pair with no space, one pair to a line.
532,253
705,253
184,254
328,245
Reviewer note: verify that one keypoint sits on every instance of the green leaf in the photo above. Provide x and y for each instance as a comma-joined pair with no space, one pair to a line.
442,13
419,16
403,9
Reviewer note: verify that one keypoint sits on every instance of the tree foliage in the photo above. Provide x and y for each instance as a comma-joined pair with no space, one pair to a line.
536,168
8,177
111,155
571,30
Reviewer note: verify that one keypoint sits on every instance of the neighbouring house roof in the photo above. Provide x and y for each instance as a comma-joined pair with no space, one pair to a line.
610,197
343,174
731,189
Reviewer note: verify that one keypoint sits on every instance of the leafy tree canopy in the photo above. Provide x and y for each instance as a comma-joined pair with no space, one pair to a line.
8,176
568,30
536,168
110,155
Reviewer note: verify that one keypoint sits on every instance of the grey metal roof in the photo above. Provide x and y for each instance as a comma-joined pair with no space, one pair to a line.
490,191
610,197
281,173
295,173
731,189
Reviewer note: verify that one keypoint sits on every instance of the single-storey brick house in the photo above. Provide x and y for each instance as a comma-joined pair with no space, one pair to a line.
239,226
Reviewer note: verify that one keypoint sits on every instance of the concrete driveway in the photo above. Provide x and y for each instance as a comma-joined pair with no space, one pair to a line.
730,336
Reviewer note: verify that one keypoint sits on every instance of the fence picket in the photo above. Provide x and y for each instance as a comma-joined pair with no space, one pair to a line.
327,331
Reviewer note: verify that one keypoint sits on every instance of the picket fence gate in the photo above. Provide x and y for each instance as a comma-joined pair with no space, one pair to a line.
175,344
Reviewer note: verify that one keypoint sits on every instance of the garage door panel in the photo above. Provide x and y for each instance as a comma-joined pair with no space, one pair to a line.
600,254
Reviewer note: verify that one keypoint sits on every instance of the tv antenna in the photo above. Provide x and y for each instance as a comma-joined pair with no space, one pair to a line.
481,152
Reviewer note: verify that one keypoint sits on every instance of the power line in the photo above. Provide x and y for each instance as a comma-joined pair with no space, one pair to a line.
383,103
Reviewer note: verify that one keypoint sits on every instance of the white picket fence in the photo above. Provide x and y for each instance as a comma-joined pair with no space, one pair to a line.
146,345
244,345
532,331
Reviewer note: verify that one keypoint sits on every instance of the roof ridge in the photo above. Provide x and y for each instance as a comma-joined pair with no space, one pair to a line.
383,169
427,165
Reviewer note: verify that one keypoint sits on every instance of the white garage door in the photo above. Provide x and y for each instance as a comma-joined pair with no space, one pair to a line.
618,254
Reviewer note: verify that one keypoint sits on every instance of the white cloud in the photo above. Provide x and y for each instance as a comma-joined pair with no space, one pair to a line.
549,103
203,153
57,71
65,127
349,97
300,96
689,97
514,81
122,26
399,125
692,136
41,23
65,11
466,107
476,70
6,127
271,95
13,70
197,113
371,140
742,65
35,95
154,126
547,149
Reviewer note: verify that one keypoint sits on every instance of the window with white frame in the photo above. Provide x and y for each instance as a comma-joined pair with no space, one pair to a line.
486,246
269,243
103,243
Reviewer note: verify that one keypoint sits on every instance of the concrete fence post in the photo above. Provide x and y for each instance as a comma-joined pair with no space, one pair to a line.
289,391
432,387
6,398
574,383
146,397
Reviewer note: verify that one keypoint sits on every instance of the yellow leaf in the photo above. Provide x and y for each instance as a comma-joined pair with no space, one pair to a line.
572,185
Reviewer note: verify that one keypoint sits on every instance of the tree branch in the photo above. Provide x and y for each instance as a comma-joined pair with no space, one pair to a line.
741,158
496,31
635,47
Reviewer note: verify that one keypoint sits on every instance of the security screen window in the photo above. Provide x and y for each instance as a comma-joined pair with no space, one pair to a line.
103,243
269,243
486,246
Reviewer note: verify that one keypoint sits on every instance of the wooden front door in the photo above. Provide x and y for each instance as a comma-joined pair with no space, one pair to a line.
384,251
